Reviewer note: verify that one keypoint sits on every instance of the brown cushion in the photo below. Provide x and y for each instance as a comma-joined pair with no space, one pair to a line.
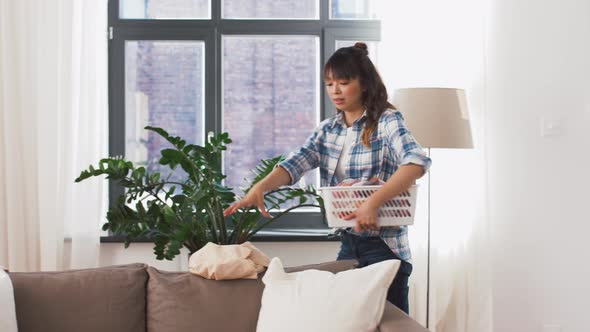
181,301
102,299
395,320
334,267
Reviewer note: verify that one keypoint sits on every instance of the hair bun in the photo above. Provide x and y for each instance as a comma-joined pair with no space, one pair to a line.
362,46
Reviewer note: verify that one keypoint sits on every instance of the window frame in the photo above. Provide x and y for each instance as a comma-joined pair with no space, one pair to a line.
210,31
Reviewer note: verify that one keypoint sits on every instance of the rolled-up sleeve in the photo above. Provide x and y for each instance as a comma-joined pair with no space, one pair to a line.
304,159
407,150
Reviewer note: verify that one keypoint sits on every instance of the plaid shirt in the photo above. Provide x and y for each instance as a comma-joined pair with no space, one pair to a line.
391,146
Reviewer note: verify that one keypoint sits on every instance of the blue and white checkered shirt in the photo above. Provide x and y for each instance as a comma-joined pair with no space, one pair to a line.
391,146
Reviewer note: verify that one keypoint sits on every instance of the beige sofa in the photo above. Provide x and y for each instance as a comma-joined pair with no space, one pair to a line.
136,297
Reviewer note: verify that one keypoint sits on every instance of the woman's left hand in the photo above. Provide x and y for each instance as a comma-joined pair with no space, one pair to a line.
366,217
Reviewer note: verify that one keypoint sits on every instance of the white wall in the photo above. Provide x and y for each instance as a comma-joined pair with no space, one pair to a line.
538,65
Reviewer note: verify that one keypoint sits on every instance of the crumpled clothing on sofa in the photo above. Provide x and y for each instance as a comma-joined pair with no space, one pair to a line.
230,261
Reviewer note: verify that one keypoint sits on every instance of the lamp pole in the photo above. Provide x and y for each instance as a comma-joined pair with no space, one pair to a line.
428,256
438,118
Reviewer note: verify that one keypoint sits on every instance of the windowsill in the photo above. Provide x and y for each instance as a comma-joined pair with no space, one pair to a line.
278,235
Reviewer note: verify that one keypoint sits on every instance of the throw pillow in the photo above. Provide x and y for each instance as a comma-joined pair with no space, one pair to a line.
7,311
111,298
315,300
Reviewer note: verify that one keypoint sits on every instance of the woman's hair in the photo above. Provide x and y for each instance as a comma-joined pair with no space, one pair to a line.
353,62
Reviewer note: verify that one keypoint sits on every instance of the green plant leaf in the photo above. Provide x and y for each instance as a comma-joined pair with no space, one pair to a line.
188,212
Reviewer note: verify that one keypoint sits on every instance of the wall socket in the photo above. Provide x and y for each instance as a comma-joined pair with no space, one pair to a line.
551,328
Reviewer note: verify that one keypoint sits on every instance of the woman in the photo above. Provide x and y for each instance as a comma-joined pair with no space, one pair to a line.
367,138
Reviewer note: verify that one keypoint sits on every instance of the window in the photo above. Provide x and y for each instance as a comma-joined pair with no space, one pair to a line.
154,71
251,68
164,9
270,98
270,9
352,9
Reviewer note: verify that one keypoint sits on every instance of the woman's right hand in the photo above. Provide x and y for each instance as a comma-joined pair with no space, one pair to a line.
255,197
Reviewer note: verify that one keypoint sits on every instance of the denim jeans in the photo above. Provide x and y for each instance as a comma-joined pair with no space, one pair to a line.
369,250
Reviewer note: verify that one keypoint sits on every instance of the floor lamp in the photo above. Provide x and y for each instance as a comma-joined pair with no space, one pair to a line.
437,118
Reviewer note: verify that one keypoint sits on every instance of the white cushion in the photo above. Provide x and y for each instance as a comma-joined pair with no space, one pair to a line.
7,310
314,300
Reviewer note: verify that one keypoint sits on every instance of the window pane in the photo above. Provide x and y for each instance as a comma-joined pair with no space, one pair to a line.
270,9
270,99
163,88
353,9
165,9
372,47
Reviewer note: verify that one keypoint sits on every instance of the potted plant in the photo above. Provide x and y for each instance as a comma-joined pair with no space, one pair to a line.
189,213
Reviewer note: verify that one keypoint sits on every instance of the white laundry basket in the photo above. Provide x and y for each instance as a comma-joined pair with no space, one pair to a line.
341,200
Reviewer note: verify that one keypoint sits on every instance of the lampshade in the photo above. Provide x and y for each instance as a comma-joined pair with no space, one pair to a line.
437,117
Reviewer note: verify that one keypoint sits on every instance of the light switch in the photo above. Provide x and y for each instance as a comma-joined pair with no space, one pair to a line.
551,126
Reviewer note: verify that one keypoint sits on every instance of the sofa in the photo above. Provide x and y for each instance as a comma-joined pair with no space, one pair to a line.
136,297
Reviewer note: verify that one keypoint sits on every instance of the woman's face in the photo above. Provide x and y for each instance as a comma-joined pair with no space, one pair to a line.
345,94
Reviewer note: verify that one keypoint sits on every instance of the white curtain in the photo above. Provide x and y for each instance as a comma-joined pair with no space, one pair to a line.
429,43
53,124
